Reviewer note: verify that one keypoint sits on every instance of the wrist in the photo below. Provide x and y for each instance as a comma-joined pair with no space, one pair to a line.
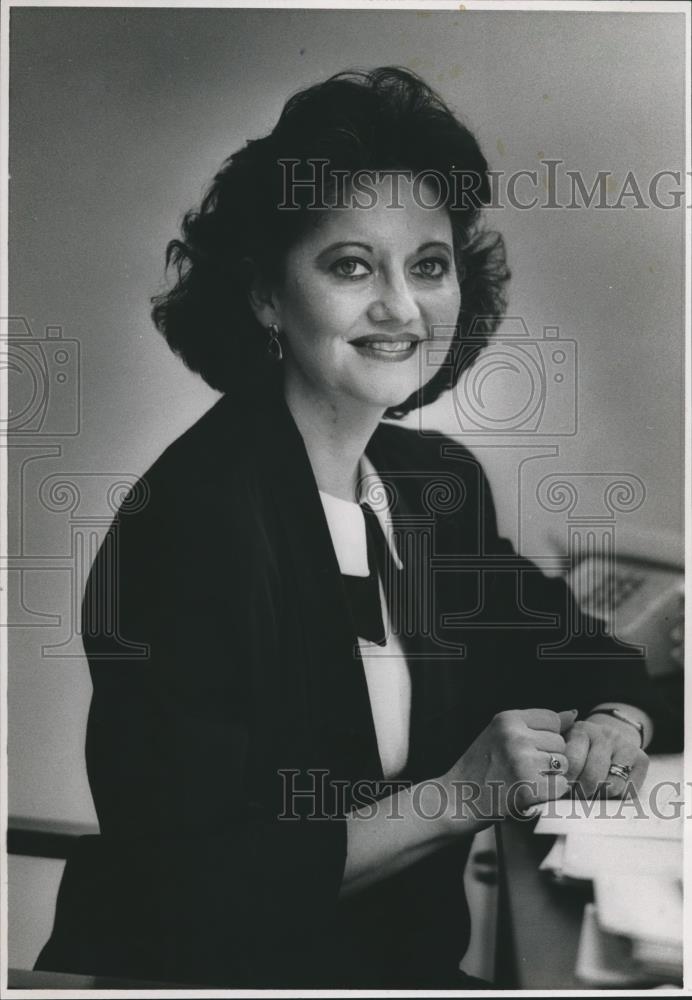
463,812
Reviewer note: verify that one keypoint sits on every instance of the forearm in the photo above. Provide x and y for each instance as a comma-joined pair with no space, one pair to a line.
396,832
636,715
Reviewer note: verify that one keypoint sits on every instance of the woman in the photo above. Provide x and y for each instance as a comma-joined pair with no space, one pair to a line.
317,669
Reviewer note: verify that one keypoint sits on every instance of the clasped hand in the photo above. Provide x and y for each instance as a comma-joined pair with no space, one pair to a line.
592,748
527,756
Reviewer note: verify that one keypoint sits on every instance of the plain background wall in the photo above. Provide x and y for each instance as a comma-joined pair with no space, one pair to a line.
119,118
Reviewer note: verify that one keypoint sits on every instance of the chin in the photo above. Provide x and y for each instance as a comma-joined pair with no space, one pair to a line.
385,388
385,401
389,395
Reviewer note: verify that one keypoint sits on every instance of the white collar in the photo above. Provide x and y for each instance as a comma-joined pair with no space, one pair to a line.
346,523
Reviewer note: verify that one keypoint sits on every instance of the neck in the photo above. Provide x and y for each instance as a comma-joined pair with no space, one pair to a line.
336,432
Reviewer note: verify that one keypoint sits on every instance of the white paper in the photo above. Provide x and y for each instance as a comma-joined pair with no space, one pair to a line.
587,857
603,959
641,906
660,958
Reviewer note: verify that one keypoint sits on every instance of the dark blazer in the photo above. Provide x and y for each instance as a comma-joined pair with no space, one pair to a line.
222,654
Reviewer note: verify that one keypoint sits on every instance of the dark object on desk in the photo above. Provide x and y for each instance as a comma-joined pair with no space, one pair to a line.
39,838
539,923
35,838
640,595
21,979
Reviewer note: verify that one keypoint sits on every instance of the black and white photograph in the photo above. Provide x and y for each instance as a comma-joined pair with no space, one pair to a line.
344,391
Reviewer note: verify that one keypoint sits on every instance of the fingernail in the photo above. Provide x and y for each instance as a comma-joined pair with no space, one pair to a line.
574,711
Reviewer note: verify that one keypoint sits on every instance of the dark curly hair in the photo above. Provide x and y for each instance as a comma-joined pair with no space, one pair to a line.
385,119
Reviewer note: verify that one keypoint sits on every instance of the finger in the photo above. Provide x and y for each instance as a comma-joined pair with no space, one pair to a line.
567,719
552,763
550,742
550,787
594,773
577,750
529,793
639,769
543,718
623,756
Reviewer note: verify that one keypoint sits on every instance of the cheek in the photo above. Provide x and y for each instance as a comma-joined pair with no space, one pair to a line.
451,303
442,303
441,315
316,310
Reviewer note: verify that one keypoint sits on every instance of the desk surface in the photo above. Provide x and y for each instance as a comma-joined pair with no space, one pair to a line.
541,922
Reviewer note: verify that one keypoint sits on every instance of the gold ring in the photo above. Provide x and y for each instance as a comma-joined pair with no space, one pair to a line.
622,771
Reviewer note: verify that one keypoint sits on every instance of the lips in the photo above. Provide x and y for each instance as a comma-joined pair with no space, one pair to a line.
383,347
383,342
389,346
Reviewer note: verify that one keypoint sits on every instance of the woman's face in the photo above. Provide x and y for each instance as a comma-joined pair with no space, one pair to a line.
361,297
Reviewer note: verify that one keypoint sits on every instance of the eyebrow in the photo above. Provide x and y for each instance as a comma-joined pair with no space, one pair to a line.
347,243
434,243
366,246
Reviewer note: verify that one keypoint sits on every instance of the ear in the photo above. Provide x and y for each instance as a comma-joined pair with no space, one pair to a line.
261,296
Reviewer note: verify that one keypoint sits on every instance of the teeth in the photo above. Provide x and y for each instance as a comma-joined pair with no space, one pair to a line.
386,345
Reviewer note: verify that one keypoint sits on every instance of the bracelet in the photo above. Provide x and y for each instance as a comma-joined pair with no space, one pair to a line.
617,714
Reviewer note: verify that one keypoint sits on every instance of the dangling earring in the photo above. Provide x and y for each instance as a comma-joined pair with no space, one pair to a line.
274,349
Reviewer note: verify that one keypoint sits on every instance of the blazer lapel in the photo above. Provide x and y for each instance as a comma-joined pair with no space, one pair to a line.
339,705
435,520
339,714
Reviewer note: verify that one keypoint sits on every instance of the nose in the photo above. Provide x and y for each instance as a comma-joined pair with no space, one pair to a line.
394,303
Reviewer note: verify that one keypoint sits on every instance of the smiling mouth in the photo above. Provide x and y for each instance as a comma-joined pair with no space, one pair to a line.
387,349
390,346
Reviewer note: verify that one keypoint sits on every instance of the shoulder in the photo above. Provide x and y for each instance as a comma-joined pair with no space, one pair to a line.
185,517
180,518
197,450
192,470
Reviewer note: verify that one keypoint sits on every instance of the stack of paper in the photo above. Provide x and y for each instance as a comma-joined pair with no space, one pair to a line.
631,850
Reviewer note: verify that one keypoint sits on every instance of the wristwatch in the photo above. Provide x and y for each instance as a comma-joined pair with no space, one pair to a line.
617,714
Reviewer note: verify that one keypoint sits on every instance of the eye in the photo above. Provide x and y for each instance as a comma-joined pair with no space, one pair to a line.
431,267
350,267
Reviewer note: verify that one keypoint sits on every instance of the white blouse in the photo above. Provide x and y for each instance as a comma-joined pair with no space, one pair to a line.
386,670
